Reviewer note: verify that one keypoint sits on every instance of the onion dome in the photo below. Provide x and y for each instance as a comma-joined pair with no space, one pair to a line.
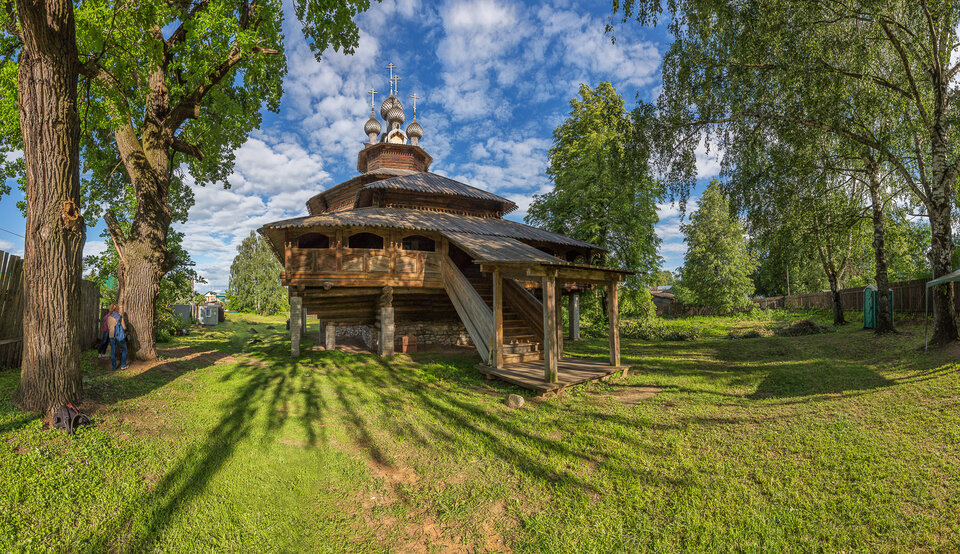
414,130
372,127
395,114
387,105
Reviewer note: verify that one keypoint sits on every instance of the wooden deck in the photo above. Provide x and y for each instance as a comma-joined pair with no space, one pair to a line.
570,371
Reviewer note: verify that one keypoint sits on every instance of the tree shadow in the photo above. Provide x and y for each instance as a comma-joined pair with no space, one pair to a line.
800,380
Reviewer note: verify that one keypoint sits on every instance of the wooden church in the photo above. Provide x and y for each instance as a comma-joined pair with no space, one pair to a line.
406,259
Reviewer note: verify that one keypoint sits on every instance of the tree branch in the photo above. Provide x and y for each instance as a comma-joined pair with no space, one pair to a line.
906,68
187,148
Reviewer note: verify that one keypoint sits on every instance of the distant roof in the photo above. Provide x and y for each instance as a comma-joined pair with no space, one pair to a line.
402,218
438,184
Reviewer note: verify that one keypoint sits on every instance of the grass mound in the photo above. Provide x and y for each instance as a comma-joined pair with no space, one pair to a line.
802,328
758,333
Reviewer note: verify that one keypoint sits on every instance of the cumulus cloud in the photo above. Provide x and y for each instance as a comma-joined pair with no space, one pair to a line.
493,48
6,245
93,247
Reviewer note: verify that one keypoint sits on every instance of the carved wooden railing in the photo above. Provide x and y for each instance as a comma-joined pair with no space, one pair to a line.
477,317
525,304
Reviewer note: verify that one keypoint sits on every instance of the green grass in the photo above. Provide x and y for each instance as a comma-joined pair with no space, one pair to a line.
838,441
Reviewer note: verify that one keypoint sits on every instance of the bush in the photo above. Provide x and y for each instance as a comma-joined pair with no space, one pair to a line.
162,335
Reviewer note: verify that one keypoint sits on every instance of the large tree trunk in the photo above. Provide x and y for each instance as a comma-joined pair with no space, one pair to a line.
884,317
939,204
144,258
55,232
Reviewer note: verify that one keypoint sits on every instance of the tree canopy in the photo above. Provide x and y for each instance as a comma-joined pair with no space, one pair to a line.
255,279
875,74
718,264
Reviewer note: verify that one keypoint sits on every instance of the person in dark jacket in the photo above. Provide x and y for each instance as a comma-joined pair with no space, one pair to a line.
104,339
117,346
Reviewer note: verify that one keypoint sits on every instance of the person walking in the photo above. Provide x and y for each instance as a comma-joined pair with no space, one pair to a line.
104,339
118,337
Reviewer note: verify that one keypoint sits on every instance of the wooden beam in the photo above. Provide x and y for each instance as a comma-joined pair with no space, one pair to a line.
613,316
550,353
498,320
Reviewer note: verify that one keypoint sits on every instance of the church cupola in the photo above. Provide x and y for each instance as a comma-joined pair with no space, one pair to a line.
414,130
390,147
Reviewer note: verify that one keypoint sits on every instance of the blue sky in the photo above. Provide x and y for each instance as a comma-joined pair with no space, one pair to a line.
495,78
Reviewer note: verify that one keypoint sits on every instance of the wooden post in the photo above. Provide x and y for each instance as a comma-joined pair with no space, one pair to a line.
559,303
574,316
613,316
296,308
303,320
550,353
330,330
385,345
319,331
497,319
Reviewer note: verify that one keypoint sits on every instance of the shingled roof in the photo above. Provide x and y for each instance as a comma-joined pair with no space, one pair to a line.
438,184
402,218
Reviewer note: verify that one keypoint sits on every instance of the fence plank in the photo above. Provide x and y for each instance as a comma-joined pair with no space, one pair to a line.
908,297
11,311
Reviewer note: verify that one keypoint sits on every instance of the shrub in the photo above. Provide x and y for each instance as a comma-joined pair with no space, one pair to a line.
162,335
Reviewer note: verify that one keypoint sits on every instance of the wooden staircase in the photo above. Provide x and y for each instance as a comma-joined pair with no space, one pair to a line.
521,342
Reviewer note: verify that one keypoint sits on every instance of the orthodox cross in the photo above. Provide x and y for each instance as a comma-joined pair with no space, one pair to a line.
391,67
373,95
415,98
395,82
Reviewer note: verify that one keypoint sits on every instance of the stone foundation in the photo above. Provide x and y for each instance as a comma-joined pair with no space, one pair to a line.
428,333
433,333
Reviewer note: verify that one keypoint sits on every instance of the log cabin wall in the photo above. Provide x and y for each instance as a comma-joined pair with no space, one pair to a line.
343,266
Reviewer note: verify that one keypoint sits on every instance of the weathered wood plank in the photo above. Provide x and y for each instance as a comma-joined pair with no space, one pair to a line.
613,316
473,311
572,371
550,354
498,319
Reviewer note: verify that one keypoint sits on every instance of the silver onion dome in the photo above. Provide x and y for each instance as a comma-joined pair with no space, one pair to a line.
395,114
414,130
387,105
372,127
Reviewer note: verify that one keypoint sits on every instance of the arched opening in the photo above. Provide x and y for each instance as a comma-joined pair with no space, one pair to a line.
366,240
313,240
576,257
418,242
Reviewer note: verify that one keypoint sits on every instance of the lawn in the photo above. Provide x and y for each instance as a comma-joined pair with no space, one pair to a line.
838,441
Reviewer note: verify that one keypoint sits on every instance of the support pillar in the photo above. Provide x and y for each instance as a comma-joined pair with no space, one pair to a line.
559,304
319,331
303,320
550,353
497,357
330,330
574,314
296,311
385,342
613,316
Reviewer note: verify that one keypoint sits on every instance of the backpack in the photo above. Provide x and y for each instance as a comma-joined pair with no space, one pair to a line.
68,417
118,332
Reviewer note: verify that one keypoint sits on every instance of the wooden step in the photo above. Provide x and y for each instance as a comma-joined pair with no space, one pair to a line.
526,357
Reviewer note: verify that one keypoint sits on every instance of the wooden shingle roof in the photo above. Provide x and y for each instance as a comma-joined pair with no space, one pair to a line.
487,248
432,183
403,218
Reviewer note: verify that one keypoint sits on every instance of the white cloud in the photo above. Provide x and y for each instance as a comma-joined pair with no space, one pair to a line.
708,159
94,247
6,245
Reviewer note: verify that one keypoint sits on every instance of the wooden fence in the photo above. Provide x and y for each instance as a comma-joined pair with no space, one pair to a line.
907,298
11,311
